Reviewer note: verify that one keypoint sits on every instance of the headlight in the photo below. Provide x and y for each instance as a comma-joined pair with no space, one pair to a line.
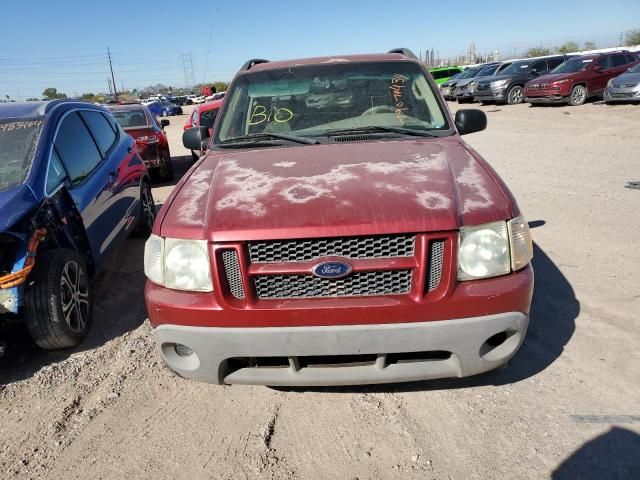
499,83
494,249
610,82
178,264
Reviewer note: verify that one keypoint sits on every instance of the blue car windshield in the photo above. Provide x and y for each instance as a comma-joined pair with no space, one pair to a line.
18,140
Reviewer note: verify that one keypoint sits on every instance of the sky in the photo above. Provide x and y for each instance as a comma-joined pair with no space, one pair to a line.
63,44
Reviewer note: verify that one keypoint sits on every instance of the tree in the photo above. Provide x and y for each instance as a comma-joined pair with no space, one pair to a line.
632,37
537,52
52,94
589,45
568,47
220,86
32,99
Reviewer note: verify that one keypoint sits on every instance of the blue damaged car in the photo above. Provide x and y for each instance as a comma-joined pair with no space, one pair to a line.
72,188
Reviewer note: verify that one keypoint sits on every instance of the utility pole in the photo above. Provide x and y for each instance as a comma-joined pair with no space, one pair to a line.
109,85
113,79
189,74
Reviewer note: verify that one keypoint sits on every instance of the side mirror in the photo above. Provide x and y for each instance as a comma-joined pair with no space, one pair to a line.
194,138
470,120
164,123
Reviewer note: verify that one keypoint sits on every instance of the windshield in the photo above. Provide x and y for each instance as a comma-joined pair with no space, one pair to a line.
635,69
131,119
515,68
208,117
312,100
18,140
468,73
486,71
573,65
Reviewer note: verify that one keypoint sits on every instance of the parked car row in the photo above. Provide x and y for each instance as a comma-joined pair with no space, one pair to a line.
570,79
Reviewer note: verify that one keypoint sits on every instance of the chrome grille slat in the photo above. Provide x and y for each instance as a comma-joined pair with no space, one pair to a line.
385,282
233,274
384,246
435,260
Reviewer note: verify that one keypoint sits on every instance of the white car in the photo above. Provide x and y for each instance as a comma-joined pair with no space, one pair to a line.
215,96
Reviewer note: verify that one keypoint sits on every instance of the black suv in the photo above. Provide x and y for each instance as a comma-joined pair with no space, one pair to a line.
508,86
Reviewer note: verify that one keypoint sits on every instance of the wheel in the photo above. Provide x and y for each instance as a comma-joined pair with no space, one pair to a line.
578,95
147,211
58,300
165,171
515,95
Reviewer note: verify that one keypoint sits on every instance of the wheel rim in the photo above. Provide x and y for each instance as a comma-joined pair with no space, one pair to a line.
578,95
148,207
74,295
516,95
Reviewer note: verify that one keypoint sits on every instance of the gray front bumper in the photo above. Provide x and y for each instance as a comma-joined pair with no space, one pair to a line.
617,94
464,339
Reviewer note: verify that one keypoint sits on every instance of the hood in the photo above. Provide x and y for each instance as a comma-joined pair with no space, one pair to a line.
466,81
552,77
627,79
495,78
14,204
363,188
450,82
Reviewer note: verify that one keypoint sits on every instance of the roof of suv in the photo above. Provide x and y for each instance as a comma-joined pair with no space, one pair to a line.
374,57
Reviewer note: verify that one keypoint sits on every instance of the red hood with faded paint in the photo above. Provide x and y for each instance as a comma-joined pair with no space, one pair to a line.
421,185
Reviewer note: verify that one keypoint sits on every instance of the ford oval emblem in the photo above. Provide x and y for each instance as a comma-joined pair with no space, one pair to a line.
331,270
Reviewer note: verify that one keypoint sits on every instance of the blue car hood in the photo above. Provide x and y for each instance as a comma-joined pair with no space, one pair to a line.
14,204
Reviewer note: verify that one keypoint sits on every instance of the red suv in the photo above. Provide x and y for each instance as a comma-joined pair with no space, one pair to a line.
138,122
578,78
338,231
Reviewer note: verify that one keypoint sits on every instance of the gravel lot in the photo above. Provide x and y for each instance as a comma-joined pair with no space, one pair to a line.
566,407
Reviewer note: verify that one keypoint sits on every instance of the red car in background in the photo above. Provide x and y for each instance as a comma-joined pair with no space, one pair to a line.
151,140
203,115
578,78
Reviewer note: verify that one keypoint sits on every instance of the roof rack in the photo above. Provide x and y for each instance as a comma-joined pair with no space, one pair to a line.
250,63
404,51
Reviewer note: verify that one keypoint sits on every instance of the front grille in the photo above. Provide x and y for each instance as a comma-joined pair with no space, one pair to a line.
434,264
387,282
387,246
483,86
232,273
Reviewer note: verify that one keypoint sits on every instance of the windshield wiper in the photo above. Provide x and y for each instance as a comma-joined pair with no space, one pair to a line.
373,129
261,136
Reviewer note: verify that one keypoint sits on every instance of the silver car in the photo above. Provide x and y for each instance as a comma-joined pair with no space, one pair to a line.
625,87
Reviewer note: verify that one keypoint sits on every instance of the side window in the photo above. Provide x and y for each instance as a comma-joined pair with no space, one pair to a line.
194,118
554,62
619,60
539,67
102,131
631,59
76,148
604,62
56,174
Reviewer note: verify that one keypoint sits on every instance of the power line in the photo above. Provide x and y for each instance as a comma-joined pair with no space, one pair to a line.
113,79
187,65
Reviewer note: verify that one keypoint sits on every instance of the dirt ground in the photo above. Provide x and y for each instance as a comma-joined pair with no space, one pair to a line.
566,407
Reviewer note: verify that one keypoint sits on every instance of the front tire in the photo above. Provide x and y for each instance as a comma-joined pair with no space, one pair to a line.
515,95
578,95
58,300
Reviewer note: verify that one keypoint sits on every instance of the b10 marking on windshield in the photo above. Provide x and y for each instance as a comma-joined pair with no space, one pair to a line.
11,126
279,115
398,82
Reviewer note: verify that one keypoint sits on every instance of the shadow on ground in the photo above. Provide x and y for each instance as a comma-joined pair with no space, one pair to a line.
614,455
554,310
